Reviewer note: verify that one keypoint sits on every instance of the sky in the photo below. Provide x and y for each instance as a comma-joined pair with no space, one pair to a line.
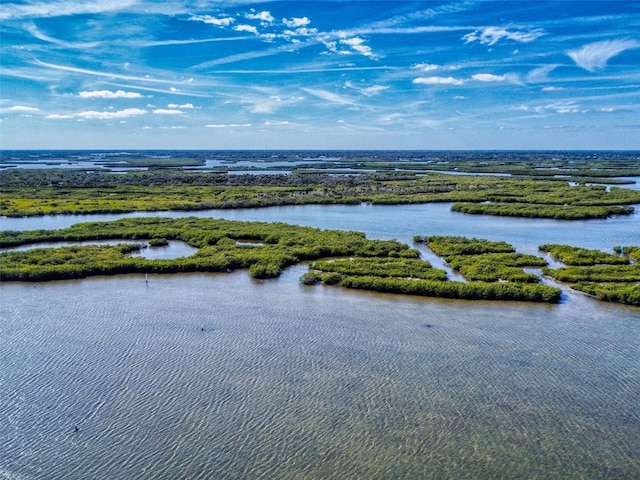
338,74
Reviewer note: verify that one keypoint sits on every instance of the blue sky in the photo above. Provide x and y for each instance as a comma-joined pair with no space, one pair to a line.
125,74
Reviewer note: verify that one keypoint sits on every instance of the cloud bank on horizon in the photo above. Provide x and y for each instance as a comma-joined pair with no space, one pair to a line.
333,74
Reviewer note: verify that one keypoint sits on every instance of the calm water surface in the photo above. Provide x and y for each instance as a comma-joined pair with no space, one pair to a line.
221,376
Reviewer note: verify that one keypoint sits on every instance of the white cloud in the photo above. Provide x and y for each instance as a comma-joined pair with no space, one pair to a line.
296,22
357,44
302,32
95,115
127,112
208,19
263,16
552,89
489,77
373,90
566,107
437,81
184,106
246,28
108,94
163,111
492,35
563,107
426,67
58,116
268,123
230,125
594,56
22,109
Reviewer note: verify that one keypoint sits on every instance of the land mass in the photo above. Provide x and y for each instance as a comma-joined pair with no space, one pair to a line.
559,186
567,188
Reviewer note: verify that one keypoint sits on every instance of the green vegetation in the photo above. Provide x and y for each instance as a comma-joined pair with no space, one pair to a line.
457,290
597,273
494,267
158,242
491,267
558,212
382,267
484,260
632,252
447,246
606,276
582,256
263,248
612,292
223,246
60,191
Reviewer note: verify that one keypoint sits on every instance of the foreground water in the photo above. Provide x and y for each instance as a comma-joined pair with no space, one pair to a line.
222,376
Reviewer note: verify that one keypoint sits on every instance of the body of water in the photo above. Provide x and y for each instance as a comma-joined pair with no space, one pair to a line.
218,376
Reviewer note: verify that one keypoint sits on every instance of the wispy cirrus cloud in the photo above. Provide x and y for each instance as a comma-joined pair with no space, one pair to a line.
97,73
329,96
369,91
14,11
492,35
109,94
541,73
35,31
594,56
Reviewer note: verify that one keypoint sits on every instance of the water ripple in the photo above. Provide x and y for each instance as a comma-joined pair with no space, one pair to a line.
219,376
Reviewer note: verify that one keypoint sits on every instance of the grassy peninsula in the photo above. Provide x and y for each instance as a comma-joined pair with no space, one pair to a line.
491,269
608,277
223,245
